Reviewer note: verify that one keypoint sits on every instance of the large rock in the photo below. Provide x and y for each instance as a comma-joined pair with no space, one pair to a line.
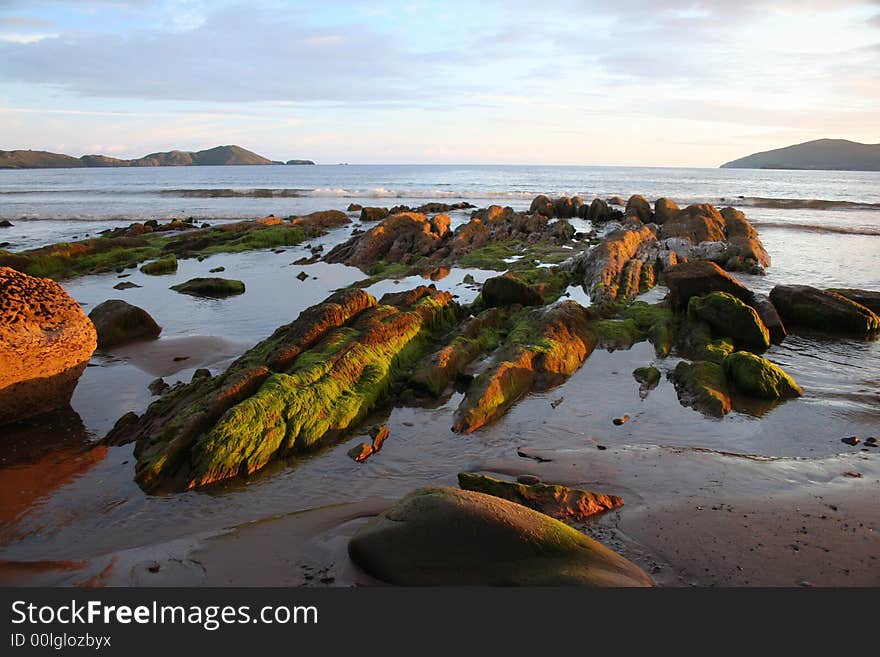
373,214
664,210
560,502
699,223
211,287
758,377
542,205
321,221
599,211
449,537
702,385
747,252
46,341
809,307
638,206
500,291
118,322
565,207
698,278
870,299
730,317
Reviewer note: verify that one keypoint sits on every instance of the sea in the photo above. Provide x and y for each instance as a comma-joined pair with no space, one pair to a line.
820,228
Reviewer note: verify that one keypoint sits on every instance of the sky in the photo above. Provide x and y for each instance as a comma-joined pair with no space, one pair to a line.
623,82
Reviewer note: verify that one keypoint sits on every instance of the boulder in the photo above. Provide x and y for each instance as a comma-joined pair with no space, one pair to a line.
118,322
542,205
664,210
771,319
699,223
870,299
373,214
354,207
166,265
697,278
599,211
564,207
319,222
638,206
502,291
809,307
730,317
448,537
214,288
46,341
560,502
754,376
743,241
702,385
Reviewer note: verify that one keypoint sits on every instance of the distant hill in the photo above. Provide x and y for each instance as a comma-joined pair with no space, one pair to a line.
827,154
218,156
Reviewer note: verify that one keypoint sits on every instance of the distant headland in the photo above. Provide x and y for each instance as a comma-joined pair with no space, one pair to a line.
825,154
218,156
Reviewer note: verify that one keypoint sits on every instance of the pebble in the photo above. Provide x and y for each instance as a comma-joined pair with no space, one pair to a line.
852,440
621,420
853,473
528,480
556,402
871,442
302,276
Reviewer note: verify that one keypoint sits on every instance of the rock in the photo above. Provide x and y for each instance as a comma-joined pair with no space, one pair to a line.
5,223
167,265
303,387
852,440
354,207
118,322
616,200
564,207
216,270
746,247
322,221
46,341
560,502
527,479
770,318
871,441
302,276
373,214
664,210
697,343
158,386
502,291
125,285
702,385
638,206
544,348
542,205
868,298
648,379
620,420
698,223
808,307
201,373
214,288
599,211
699,278
449,537
730,317
758,377
361,452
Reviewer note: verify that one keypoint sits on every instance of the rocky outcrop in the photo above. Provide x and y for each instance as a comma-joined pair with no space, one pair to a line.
544,348
560,502
118,322
46,341
698,223
758,377
808,307
213,288
501,291
698,278
730,317
450,537
664,210
399,238
305,386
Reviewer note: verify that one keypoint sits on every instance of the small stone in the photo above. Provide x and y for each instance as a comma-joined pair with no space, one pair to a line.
302,276
601,447
852,440
154,567
528,480
123,275
177,359
158,386
621,420
361,453
378,434
853,473
871,442
125,285
216,270
556,402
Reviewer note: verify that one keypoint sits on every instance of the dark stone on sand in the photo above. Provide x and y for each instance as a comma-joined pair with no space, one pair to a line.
213,288
449,537
118,322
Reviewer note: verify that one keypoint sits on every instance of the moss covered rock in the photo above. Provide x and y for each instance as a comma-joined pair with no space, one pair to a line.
648,377
560,502
166,265
697,278
118,322
210,287
702,385
758,377
449,537
809,307
506,290
730,317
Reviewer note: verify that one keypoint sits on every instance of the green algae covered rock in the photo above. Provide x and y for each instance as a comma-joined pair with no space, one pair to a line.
728,316
214,288
696,341
304,386
118,322
647,376
823,310
702,385
560,502
166,265
500,291
758,377
449,537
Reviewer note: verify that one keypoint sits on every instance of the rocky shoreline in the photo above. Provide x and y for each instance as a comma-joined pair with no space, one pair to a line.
315,381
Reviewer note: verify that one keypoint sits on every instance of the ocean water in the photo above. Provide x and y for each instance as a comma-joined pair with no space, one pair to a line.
820,228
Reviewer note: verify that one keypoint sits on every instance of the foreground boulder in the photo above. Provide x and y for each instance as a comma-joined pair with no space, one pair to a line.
501,291
46,341
698,278
758,377
118,322
702,385
449,537
308,384
214,288
544,348
809,307
730,317
560,502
